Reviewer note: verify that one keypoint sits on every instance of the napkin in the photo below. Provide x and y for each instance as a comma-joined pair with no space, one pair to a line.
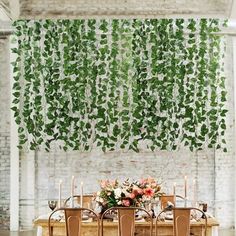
137,220
208,215
58,216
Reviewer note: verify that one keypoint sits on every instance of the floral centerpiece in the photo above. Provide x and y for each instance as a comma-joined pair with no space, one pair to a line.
127,193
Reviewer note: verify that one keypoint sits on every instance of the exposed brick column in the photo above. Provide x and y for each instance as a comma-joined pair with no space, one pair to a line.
4,135
234,72
14,155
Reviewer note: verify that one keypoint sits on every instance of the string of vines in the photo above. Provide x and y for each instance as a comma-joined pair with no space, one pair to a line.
118,83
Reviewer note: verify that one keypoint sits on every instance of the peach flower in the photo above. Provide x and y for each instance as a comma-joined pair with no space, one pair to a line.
113,183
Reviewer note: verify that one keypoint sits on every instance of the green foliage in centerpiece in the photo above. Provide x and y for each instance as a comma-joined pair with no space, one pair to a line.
113,83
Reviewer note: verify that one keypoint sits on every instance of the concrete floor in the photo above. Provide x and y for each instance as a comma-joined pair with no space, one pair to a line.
22,233
227,232
33,233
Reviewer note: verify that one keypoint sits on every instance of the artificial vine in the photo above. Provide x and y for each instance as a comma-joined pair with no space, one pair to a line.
115,83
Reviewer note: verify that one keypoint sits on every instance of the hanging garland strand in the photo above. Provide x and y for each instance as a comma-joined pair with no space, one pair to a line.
119,83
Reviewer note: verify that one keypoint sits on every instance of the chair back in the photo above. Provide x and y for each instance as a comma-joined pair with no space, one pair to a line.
165,199
169,198
87,199
181,217
126,220
73,220
181,221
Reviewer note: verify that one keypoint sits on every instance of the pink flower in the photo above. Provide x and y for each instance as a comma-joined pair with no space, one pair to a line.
140,191
132,195
126,202
142,181
149,192
104,183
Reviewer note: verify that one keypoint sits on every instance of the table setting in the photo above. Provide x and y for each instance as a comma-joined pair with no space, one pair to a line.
145,193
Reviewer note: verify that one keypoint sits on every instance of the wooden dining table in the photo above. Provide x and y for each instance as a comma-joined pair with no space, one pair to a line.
165,228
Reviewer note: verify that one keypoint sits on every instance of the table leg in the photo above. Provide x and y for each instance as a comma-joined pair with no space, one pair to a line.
215,231
39,231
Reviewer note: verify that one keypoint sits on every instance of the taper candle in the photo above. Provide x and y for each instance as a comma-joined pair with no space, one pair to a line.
174,189
59,197
185,190
72,191
194,193
81,194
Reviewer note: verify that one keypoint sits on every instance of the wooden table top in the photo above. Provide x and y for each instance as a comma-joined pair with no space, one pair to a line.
44,223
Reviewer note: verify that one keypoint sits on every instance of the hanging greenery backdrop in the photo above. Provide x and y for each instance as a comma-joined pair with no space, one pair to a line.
113,83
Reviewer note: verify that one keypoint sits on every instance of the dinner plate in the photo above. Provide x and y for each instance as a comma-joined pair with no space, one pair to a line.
138,217
84,217
169,217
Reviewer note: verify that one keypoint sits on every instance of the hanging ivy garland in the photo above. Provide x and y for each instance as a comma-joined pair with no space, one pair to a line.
114,83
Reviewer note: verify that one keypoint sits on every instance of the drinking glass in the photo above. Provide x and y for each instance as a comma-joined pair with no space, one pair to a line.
52,204
203,207
156,208
147,206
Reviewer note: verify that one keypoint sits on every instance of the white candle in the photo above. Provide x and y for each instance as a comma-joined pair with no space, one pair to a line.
72,191
185,190
59,197
81,194
174,192
194,193
174,187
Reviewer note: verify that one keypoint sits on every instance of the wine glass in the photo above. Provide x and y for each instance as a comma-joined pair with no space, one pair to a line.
52,204
156,208
203,207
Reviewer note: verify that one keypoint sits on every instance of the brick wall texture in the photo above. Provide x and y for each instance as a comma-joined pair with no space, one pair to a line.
124,8
40,172
4,135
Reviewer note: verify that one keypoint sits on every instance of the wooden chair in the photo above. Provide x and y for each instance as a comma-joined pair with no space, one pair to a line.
169,198
181,221
73,220
126,220
87,199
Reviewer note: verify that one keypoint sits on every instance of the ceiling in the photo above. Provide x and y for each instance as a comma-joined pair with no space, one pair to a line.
40,9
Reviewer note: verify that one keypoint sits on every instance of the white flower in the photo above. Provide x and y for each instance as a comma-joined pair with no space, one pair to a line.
99,199
117,193
126,193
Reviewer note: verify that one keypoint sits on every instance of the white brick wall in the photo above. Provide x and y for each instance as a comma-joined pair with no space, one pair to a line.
4,135
225,162
165,166
120,8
